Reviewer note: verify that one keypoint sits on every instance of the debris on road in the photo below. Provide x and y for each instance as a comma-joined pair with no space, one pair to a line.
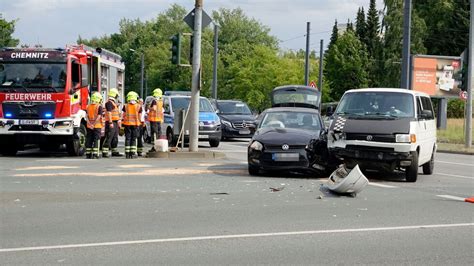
273,189
219,193
320,197
347,181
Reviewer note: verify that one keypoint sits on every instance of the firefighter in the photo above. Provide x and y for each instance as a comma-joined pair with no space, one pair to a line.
112,118
131,122
94,126
155,115
140,129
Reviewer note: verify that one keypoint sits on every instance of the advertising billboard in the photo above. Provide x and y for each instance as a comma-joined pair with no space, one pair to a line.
436,75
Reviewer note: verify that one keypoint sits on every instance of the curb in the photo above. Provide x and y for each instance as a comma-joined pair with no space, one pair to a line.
187,155
456,152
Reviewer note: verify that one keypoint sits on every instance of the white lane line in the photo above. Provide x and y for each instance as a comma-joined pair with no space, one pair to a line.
61,160
49,167
218,237
446,162
460,176
381,185
450,197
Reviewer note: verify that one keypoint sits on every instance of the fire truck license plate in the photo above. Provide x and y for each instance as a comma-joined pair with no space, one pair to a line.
29,122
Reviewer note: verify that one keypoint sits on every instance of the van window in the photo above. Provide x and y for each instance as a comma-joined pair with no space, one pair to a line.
166,105
377,104
426,105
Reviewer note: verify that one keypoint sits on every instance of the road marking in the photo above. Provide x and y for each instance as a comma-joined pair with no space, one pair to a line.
446,162
460,176
239,236
451,197
49,167
61,160
127,166
381,185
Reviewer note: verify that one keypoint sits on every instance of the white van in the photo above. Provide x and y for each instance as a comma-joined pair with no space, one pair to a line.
385,129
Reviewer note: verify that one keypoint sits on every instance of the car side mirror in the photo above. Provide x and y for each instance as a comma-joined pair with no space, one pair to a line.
329,111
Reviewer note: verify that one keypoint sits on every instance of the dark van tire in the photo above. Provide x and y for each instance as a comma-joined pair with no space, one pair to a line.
411,172
77,145
214,142
429,166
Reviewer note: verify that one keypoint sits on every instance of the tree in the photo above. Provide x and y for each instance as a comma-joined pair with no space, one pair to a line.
361,24
350,26
7,28
334,35
346,65
372,31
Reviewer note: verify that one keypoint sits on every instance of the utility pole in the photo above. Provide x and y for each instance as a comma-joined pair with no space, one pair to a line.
142,75
321,58
195,78
468,135
214,69
405,80
306,61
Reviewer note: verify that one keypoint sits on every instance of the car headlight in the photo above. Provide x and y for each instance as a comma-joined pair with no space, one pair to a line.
227,123
256,146
405,138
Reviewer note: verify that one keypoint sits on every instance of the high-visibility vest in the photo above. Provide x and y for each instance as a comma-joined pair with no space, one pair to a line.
155,114
131,115
114,114
94,119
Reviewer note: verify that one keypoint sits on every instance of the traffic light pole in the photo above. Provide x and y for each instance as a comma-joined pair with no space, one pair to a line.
195,80
306,58
468,135
214,68
405,79
142,75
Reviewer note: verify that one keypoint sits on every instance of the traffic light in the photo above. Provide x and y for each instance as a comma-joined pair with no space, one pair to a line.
191,48
176,49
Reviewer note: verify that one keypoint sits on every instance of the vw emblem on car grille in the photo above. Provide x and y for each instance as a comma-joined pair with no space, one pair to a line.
285,147
369,137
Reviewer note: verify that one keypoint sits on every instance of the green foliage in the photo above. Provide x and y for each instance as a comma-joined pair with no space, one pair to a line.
372,29
346,65
334,35
6,31
361,25
456,108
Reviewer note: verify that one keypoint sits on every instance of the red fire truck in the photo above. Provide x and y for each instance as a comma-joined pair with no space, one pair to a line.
44,94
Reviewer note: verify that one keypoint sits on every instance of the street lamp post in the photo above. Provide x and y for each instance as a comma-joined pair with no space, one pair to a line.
142,58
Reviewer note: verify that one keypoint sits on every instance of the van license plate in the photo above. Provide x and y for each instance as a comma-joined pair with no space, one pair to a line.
286,157
244,132
29,122
202,136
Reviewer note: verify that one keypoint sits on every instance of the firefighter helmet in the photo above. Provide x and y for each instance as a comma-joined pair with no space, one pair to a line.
96,97
132,96
157,93
113,93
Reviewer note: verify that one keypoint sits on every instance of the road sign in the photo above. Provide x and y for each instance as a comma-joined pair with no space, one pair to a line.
463,95
312,84
189,19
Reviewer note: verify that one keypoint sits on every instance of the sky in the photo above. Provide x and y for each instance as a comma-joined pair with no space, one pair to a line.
55,23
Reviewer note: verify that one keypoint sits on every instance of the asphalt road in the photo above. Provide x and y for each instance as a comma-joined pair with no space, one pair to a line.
61,210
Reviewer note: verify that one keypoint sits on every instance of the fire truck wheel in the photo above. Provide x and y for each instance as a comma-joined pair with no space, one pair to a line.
76,146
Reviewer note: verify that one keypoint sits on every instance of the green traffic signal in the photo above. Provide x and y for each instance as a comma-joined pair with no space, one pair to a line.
176,49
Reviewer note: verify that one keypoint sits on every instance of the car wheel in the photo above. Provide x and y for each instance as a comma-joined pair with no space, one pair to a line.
411,172
214,142
429,166
77,145
253,170
171,138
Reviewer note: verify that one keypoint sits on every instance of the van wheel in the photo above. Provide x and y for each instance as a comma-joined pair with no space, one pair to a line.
411,172
429,166
171,139
77,145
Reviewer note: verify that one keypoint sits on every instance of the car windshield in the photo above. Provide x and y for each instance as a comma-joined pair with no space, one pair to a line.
32,76
234,108
183,102
378,104
296,120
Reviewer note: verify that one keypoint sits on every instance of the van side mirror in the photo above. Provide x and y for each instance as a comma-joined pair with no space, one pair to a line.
426,114
330,111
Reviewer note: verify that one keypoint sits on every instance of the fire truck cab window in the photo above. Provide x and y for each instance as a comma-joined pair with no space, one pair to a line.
75,70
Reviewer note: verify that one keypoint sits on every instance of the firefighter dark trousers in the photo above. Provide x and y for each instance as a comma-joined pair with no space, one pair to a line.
131,134
111,139
93,142
140,131
155,131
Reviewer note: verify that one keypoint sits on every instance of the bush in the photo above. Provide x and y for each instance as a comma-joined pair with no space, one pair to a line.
455,108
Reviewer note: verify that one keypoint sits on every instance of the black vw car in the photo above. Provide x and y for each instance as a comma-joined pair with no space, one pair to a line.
237,120
285,131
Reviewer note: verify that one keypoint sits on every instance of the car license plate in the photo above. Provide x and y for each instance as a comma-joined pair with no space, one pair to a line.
286,157
29,122
244,132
